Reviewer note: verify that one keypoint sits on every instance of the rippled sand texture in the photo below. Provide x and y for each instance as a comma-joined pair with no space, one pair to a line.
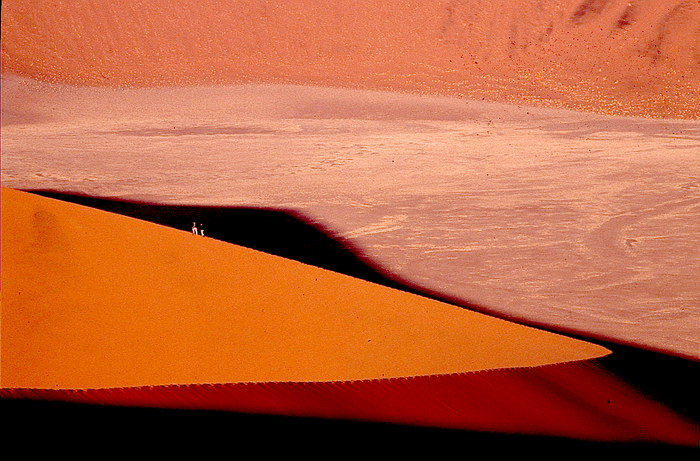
637,57
585,223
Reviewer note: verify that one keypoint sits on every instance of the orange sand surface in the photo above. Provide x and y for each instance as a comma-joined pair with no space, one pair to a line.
106,309
637,57
96,300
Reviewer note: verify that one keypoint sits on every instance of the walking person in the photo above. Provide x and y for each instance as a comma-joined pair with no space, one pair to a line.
194,228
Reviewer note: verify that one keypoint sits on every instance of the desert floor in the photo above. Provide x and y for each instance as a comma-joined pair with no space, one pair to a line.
583,223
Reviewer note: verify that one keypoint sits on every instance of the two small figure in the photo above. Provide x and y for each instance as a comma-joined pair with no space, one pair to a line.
195,231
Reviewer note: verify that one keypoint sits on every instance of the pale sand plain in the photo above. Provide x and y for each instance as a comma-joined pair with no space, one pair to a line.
578,222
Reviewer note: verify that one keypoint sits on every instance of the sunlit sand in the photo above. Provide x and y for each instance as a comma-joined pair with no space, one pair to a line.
96,300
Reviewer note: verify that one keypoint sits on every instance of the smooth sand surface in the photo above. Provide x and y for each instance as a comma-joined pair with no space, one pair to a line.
634,58
95,300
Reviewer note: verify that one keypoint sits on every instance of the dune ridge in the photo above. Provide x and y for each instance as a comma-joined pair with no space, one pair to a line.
105,293
106,310
612,56
577,400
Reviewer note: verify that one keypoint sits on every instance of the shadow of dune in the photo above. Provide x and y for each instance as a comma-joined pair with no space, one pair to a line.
210,431
664,378
284,233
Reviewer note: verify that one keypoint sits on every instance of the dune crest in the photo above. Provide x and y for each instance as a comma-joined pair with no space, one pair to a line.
95,300
613,56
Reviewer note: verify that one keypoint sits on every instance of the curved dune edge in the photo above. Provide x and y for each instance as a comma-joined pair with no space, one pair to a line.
615,57
103,309
97,300
576,400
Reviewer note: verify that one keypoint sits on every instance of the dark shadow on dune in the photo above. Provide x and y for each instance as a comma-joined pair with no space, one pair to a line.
664,378
279,232
74,427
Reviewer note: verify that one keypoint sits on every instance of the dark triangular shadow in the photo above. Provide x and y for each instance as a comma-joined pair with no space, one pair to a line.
284,233
92,428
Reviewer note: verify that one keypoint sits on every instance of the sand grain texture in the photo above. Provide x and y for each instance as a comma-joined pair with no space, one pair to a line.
634,58
575,221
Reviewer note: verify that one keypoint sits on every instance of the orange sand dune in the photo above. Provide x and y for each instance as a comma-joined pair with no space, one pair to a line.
98,300
103,308
639,57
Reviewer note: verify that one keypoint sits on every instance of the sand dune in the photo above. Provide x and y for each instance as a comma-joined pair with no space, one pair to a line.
107,309
614,56
106,294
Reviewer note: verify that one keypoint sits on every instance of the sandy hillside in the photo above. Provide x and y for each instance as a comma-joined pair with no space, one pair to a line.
638,57
108,301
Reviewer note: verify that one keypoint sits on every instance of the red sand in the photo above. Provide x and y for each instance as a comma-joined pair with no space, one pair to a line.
106,309
610,56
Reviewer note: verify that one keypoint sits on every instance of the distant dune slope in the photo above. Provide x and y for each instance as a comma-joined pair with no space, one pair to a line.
639,57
